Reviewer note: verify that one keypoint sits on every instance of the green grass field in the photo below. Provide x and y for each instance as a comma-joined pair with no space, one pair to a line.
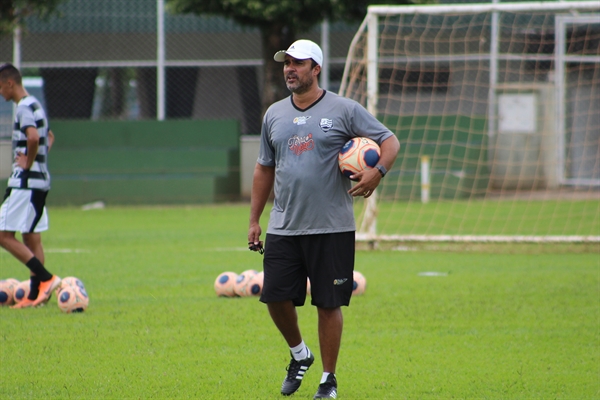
477,217
499,322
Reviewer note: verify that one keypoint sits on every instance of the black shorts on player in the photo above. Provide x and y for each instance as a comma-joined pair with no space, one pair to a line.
326,259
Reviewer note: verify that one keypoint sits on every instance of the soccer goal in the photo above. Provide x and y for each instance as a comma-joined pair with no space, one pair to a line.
497,109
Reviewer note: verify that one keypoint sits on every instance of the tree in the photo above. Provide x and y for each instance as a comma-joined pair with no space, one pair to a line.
279,21
13,12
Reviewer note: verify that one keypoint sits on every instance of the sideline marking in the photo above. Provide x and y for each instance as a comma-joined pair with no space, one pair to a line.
432,273
228,249
66,251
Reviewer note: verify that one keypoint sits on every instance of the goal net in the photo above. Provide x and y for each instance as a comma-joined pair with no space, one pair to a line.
497,109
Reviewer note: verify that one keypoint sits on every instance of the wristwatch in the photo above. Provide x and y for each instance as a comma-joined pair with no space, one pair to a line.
381,169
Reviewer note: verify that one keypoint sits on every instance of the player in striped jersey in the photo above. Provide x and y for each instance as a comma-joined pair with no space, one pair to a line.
24,206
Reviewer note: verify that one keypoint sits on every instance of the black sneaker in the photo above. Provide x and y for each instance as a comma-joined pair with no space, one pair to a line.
327,389
295,373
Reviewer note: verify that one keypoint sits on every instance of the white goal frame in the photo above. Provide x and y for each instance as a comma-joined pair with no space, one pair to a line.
560,60
367,231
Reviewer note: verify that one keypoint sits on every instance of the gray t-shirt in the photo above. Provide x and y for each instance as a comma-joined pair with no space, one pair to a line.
311,194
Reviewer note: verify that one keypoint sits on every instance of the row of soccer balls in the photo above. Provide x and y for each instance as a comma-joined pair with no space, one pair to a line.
71,294
250,283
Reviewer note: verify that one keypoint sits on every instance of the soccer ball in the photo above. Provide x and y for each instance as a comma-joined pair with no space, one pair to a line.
242,281
71,281
7,290
357,155
224,284
72,299
255,285
22,291
359,284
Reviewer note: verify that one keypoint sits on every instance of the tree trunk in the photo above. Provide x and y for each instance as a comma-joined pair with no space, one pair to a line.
250,97
113,99
274,37
181,91
146,91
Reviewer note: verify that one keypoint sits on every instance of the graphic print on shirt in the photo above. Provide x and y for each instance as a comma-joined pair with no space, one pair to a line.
326,124
301,120
300,144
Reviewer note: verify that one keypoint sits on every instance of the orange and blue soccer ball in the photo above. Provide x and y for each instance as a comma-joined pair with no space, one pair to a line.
224,284
359,284
254,285
70,280
242,280
357,155
7,291
22,291
72,298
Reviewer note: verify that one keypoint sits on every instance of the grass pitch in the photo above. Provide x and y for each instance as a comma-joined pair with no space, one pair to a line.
494,322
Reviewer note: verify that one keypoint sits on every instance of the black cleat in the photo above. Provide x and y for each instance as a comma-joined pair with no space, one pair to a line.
295,373
327,389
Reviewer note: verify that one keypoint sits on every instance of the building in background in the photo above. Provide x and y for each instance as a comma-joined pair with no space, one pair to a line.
98,61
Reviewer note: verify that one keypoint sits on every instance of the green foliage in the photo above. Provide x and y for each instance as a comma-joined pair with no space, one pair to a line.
298,15
500,323
13,12
279,22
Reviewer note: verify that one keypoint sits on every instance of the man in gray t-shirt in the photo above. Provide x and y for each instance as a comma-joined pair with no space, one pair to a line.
311,226
311,194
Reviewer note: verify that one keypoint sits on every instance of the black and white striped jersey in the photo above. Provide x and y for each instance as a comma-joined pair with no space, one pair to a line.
30,113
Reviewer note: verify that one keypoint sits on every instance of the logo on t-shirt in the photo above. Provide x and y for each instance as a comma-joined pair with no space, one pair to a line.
301,120
300,144
326,124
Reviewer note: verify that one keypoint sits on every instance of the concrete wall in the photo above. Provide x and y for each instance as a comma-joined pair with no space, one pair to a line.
249,146
5,158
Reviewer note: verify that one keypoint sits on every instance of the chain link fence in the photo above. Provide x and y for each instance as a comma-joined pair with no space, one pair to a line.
97,60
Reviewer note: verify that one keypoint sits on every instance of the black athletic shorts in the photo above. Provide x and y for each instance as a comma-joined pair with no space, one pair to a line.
326,259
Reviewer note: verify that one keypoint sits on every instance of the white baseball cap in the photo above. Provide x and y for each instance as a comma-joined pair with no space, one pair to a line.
301,49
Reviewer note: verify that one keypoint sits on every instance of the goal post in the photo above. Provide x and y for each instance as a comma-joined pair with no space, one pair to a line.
502,102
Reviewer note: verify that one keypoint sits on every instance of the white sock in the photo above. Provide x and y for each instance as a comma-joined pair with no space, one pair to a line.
324,377
300,352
